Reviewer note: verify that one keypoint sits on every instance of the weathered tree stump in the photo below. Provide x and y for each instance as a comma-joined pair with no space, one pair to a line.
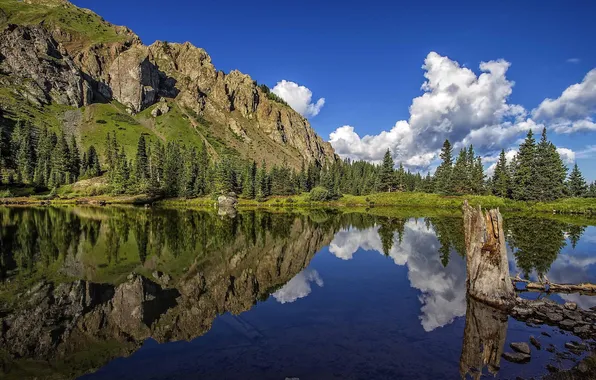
484,339
486,258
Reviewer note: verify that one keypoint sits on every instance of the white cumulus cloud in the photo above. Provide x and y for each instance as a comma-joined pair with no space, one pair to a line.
574,110
299,98
567,155
457,105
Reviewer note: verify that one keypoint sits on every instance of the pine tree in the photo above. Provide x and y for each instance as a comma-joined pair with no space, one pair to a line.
523,176
401,178
190,173
576,183
501,182
461,173
478,177
25,152
443,175
591,190
93,165
141,166
387,174
262,182
249,188
549,178
156,167
75,160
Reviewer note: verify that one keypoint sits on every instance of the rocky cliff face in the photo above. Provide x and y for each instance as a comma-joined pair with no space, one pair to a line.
34,64
84,60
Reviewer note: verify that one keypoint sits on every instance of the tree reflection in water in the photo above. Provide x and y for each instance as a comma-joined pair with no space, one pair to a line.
216,265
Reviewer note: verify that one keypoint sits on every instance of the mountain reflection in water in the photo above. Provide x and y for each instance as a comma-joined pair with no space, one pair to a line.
318,294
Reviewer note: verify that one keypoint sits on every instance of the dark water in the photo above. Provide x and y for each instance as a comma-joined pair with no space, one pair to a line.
106,293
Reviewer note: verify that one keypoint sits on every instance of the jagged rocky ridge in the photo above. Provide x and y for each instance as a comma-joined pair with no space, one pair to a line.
45,62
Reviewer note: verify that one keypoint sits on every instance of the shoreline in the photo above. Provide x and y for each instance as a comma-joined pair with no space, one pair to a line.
580,206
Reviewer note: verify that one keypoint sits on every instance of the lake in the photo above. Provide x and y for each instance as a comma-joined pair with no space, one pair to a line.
134,293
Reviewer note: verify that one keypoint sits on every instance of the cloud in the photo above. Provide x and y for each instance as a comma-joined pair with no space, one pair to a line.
573,60
457,105
587,152
567,155
443,295
574,110
299,98
298,287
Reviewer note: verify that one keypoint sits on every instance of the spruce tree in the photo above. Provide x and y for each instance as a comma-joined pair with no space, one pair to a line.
387,174
443,175
141,166
576,183
25,152
525,168
478,177
549,178
401,178
461,173
75,159
501,181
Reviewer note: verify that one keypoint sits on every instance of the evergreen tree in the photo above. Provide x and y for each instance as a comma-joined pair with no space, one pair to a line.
75,159
249,186
576,183
190,173
461,173
592,190
443,175
25,152
478,177
549,178
156,167
501,182
141,166
387,174
262,182
525,168
402,179
93,166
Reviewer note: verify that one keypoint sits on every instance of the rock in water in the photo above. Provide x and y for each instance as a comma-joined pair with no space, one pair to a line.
516,357
535,342
521,347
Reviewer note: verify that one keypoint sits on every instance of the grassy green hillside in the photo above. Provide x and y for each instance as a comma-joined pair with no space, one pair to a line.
87,27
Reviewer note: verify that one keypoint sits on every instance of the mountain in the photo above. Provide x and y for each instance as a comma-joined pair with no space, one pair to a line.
67,69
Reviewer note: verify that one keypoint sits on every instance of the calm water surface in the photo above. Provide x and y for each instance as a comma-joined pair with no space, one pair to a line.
106,293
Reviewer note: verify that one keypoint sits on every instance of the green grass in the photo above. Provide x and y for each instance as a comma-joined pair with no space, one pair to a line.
87,27
411,201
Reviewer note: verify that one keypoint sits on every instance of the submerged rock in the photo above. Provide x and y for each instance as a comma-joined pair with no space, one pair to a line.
535,342
516,357
521,347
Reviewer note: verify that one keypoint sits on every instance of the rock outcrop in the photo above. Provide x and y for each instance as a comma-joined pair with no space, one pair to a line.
134,79
39,69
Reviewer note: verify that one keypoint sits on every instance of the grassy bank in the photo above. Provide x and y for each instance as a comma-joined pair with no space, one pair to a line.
409,200
584,206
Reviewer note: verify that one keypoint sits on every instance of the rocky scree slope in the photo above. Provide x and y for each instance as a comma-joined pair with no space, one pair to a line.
66,68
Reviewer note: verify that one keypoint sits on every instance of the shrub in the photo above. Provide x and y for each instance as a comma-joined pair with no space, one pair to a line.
319,194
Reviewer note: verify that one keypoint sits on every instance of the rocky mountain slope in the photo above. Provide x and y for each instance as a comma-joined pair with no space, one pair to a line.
66,68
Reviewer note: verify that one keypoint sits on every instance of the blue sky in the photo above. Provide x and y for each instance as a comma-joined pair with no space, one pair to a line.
365,59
